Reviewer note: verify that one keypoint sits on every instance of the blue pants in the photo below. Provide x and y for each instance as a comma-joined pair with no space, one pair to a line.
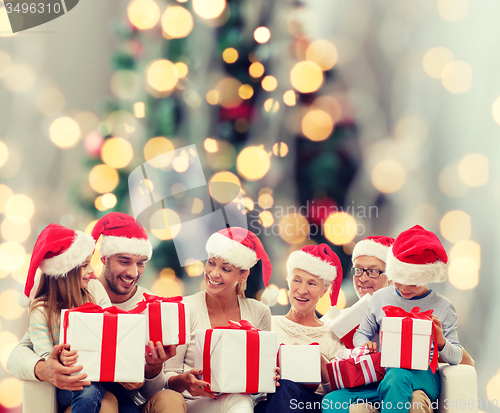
290,397
87,400
393,392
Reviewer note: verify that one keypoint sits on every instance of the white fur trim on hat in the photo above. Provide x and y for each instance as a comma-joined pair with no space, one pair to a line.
111,245
231,251
313,265
82,246
414,274
370,248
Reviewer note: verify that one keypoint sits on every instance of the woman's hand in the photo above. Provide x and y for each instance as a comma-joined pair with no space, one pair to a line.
277,370
68,357
156,357
189,381
372,346
132,386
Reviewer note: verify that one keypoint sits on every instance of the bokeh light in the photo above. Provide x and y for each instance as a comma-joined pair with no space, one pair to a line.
256,69
317,125
230,55
162,75
143,14
21,78
180,163
493,388
103,178
15,231
197,206
4,153
330,105
211,145
262,34
271,105
158,146
5,27
182,69
457,77
139,109
435,60
265,201
282,296
209,9
253,163
340,228
280,149
323,53
161,222
324,303
228,88
294,228
98,204
11,393
290,98
450,183
124,84
5,194
117,152
50,101
194,269
9,308
5,63
248,202
266,219
269,83
64,132
19,208
456,226
473,170
245,91
176,22
222,195
109,200
212,97
495,110
306,77
453,10
388,176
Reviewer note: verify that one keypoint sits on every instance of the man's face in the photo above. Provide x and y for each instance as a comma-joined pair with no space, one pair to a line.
121,274
364,284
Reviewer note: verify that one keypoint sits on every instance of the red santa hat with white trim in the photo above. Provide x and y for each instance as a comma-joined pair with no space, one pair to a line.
321,261
377,247
56,252
242,248
417,257
121,233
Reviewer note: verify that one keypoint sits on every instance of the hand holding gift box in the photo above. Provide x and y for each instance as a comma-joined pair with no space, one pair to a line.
237,359
308,371
406,339
109,342
167,319
345,325
353,368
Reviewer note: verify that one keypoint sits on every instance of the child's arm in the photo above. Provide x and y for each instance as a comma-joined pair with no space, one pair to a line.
449,346
39,332
368,327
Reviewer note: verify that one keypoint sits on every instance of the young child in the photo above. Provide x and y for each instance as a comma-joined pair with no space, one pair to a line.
416,259
63,256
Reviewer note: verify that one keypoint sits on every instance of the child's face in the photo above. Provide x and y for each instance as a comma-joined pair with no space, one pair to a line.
410,291
86,272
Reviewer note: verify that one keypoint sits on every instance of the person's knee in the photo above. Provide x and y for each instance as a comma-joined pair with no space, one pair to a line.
109,404
396,378
238,402
420,402
165,401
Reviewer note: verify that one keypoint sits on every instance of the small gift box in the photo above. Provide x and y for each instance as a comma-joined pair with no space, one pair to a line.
353,368
167,319
406,339
308,371
109,341
345,325
237,359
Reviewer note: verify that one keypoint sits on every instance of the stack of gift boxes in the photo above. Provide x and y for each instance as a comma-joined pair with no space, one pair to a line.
239,358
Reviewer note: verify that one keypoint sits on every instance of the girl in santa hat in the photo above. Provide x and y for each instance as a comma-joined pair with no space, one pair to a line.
63,256
232,252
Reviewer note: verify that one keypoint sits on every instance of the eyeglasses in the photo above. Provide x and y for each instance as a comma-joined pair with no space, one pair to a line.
358,272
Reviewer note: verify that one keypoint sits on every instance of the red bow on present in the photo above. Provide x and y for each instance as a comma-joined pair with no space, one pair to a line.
153,304
407,331
241,325
109,333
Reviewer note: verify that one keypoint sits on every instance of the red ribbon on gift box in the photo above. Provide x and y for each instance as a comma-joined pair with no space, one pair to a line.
153,304
109,335
407,333
252,356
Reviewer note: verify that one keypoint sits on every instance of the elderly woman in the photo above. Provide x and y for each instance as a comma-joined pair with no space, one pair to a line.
311,271
232,252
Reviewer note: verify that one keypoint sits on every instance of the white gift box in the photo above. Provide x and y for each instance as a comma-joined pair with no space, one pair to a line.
110,349
232,357
345,325
167,322
300,363
395,349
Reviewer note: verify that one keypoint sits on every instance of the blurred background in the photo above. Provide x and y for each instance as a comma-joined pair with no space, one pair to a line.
334,120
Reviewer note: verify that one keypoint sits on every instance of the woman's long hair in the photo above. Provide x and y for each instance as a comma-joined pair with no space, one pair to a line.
57,293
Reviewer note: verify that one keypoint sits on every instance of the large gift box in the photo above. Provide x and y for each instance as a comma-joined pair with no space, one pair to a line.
307,371
353,368
167,319
406,339
345,325
237,359
109,341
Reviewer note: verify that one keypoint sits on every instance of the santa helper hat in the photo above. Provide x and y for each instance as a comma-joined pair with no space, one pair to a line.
121,233
377,247
242,248
417,257
321,261
56,252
